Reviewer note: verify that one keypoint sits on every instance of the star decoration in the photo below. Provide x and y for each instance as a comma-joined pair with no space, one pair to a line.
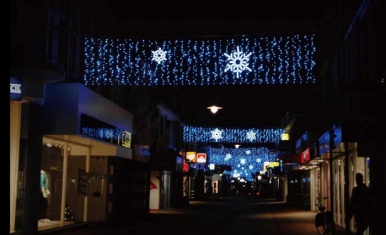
159,55
227,157
216,134
251,135
237,62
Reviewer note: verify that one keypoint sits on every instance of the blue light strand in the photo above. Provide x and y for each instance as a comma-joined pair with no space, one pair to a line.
273,60
193,134
243,161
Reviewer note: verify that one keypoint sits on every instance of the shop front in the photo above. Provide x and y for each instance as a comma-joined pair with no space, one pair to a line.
63,174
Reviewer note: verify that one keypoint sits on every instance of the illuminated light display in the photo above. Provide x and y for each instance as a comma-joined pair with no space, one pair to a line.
97,129
231,135
284,59
243,161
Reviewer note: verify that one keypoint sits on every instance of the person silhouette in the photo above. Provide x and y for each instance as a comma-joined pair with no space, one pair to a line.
360,205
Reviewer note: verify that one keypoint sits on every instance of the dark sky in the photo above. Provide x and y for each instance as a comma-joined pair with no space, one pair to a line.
243,106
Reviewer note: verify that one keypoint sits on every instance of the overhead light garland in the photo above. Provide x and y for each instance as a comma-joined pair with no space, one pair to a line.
205,61
243,161
231,135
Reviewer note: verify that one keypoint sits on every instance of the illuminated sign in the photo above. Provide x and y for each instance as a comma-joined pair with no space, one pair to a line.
96,129
191,157
201,157
305,156
16,89
268,165
284,136
185,166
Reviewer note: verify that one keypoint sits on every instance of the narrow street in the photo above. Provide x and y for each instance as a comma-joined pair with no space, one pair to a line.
226,216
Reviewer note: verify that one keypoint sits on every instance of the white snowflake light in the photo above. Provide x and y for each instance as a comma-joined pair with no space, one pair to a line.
227,157
245,164
216,134
248,152
159,55
251,135
237,62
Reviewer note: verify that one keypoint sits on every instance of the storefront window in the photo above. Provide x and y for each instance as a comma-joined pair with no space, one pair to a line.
50,187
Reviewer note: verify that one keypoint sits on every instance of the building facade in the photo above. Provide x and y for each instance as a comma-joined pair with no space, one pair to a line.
67,152
351,74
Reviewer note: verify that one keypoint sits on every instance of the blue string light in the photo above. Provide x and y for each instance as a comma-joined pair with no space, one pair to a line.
194,134
215,61
243,161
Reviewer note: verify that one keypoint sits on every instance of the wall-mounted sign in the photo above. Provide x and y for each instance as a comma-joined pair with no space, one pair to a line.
94,128
305,156
185,166
201,157
270,165
16,89
191,157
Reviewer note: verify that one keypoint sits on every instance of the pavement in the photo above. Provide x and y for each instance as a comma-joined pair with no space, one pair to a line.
223,216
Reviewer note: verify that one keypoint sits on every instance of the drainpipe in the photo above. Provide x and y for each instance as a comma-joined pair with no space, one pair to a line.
346,184
331,181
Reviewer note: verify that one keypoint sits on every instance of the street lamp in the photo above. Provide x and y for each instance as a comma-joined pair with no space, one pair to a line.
214,108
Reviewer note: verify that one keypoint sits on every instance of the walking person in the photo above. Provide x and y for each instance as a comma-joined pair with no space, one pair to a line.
360,204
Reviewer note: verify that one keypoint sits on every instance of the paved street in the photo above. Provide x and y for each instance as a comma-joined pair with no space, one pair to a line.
225,216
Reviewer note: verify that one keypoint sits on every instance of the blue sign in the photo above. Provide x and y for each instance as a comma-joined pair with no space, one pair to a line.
16,85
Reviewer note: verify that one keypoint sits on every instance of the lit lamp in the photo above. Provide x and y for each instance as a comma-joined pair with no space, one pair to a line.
214,108
237,146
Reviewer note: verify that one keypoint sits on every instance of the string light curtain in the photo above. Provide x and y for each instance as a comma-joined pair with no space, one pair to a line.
195,134
276,59
243,161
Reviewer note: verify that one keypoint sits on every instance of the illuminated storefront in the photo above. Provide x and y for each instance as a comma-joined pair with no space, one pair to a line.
79,133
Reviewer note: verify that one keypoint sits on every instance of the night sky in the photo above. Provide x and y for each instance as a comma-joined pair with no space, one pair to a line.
243,105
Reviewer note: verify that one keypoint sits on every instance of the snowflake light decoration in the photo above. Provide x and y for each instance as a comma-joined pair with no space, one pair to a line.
251,135
227,157
274,59
237,62
216,134
242,164
196,134
159,55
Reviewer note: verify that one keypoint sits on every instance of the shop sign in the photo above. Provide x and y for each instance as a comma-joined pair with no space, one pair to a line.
305,156
201,157
185,166
97,129
16,89
191,157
